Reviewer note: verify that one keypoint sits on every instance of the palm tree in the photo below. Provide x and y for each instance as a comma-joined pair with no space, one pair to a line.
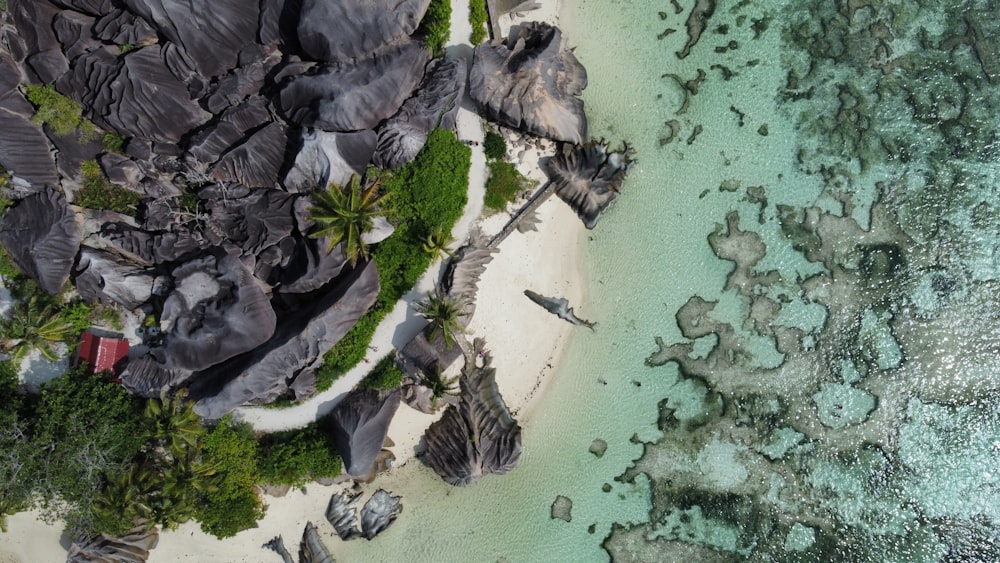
343,214
173,422
438,384
443,313
436,244
185,481
34,326
124,499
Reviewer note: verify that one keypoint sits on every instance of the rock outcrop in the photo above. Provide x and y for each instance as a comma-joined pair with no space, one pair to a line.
343,515
378,513
531,82
559,307
360,425
305,332
42,236
588,177
351,97
478,436
311,549
434,105
329,158
342,31
133,546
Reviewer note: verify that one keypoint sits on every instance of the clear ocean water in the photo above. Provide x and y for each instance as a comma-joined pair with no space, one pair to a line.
815,205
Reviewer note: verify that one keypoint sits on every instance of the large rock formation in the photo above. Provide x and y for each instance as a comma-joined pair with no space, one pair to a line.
531,82
329,158
216,311
478,436
305,332
42,236
106,278
588,177
311,549
434,105
24,150
378,513
360,425
350,97
133,546
341,31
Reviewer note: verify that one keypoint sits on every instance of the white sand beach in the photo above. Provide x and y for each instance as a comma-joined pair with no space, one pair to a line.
526,343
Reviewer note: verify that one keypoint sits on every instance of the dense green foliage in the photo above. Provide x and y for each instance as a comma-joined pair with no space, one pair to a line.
494,146
384,376
232,450
436,26
113,142
298,456
425,195
99,193
16,456
342,214
478,18
504,184
60,113
83,427
34,324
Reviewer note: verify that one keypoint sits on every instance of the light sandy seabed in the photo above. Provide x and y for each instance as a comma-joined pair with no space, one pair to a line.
526,342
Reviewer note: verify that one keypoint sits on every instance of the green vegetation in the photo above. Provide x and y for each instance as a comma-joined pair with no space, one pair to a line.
436,244
436,26
443,312
34,324
478,18
298,456
62,114
344,214
113,142
494,146
232,450
384,376
425,195
439,385
504,184
99,193
83,428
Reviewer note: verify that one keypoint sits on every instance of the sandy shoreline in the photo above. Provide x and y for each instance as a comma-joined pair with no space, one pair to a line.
527,344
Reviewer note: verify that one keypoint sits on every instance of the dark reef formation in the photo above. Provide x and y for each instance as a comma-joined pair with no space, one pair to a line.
531,82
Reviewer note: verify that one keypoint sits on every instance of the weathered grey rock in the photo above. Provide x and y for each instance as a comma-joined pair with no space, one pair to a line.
107,279
33,21
341,31
208,144
124,28
360,424
212,34
91,7
588,177
559,307
342,513
48,65
531,82
255,222
24,149
42,236
242,82
379,512
277,545
121,171
141,93
462,273
133,546
145,377
254,163
74,31
312,550
355,96
435,104
216,311
478,436
305,332
326,158
311,266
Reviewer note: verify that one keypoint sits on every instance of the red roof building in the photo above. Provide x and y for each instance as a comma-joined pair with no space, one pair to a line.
103,353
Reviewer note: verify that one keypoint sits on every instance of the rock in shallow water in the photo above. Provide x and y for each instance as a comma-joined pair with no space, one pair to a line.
379,512
562,508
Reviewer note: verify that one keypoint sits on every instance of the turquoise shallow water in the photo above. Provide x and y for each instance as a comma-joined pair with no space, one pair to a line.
831,394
